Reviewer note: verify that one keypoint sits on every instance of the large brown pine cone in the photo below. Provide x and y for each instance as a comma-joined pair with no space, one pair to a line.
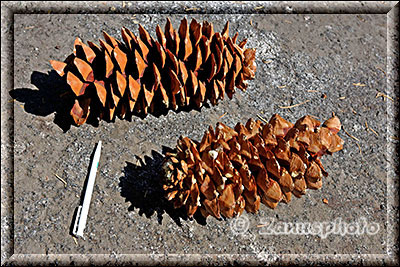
184,67
235,169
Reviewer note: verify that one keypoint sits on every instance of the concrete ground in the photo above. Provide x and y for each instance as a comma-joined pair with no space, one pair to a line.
325,62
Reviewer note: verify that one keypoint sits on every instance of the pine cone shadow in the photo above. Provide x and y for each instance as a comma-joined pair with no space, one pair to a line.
55,96
51,97
141,186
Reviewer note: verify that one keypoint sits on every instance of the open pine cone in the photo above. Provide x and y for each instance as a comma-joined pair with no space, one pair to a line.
232,170
181,68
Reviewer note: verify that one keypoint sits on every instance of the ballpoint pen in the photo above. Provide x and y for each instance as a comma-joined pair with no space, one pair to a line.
83,210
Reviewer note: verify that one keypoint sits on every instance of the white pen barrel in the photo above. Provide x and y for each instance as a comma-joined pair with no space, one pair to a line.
89,191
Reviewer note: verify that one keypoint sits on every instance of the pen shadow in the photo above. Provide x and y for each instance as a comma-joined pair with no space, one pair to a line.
141,185
82,197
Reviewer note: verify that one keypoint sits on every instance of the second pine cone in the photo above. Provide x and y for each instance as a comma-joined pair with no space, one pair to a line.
232,170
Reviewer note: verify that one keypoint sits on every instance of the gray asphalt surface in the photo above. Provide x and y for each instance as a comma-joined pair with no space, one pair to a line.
329,62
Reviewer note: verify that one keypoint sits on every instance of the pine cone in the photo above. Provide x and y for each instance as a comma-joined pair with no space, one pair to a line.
232,170
181,68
